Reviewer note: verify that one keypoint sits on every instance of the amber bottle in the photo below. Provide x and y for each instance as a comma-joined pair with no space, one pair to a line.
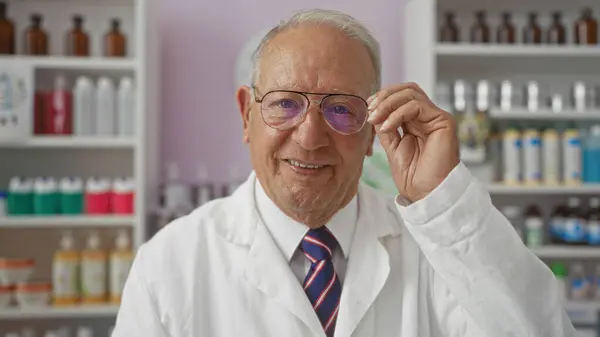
115,42
78,41
36,39
532,33
480,32
449,31
506,30
7,32
556,32
586,28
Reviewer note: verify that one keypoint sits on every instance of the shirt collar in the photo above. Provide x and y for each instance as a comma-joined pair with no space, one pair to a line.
288,233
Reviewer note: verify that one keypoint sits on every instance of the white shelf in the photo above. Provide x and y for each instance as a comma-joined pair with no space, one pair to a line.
57,313
65,221
544,190
566,115
467,49
66,62
567,252
73,142
589,305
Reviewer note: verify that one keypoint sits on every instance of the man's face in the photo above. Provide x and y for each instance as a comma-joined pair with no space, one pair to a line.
315,59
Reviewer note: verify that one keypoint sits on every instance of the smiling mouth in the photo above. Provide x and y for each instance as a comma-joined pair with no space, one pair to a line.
303,165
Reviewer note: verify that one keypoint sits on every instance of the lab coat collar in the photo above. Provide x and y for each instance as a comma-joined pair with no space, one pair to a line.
268,271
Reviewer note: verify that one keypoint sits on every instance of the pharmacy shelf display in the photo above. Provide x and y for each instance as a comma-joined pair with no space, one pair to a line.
82,79
58,313
517,74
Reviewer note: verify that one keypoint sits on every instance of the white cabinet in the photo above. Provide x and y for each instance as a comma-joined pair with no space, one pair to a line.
37,237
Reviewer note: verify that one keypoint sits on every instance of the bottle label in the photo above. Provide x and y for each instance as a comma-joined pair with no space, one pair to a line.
65,284
574,230
593,236
512,159
531,157
119,269
572,160
550,159
93,279
557,227
579,288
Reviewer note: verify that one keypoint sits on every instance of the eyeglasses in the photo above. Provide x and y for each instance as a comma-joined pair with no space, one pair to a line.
284,109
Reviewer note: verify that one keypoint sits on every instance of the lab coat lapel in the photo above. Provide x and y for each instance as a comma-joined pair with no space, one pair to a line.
368,264
269,272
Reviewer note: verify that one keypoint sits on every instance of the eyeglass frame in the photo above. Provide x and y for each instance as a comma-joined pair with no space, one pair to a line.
303,93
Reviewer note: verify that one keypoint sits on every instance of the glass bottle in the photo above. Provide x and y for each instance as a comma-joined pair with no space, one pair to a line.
586,28
78,42
506,30
480,32
449,31
532,33
7,32
115,42
36,39
556,32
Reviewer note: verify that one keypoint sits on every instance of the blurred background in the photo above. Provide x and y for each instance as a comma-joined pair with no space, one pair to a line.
117,116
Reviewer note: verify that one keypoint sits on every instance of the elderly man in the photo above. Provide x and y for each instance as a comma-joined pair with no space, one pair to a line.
304,249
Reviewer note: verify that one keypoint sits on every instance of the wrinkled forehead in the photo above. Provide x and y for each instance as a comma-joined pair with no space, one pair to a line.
316,59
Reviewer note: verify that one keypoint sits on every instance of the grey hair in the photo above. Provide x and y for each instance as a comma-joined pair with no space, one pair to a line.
345,23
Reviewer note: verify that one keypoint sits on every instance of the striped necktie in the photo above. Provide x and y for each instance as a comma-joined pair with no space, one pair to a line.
321,284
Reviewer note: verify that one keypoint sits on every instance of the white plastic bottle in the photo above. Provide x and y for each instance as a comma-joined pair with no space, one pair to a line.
105,107
65,272
531,157
126,107
579,282
550,157
84,117
204,192
93,272
511,149
571,143
85,331
121,259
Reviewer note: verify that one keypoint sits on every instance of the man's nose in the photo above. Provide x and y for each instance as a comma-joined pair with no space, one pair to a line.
313,132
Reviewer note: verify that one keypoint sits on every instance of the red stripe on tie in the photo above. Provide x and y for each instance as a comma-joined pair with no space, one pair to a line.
312,259
332,317
325,292
314,275
319,243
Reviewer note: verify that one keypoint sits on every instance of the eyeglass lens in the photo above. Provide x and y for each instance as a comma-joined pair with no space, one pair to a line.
344,113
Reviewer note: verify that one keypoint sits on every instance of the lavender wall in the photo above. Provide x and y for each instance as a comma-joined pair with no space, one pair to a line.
200,42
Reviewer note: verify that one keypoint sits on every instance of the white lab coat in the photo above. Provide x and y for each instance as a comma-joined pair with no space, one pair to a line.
449,265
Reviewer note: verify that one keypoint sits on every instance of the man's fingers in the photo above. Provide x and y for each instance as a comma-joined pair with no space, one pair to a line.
392,103
403,114
389,139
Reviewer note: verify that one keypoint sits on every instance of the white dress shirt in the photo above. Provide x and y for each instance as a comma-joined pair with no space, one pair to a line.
288,233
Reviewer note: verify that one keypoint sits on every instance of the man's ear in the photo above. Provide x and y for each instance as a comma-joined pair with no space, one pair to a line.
244,102
371,140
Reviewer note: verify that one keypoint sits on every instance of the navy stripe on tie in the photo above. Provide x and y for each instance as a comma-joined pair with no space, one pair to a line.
321,284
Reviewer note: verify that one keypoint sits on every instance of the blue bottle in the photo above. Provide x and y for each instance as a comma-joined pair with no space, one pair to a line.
591,155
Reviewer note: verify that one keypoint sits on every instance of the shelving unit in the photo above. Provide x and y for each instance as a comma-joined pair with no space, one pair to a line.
435,65
586,189
62,142
567,252
467,49
74,63
37,237
544,115
58,313
50,222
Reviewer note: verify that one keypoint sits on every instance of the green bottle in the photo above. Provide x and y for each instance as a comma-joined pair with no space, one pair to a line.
20,197
45,196
71,196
